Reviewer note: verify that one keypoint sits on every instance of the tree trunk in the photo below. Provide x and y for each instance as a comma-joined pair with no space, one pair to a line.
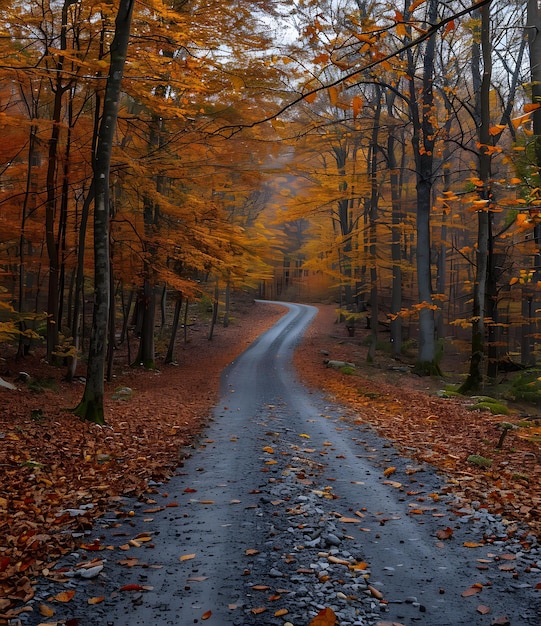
396,234
91,406
215,306
474,381
423,149
170,356
372,216
146,353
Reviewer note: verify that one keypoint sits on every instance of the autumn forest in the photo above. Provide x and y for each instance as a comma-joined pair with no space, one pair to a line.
381,156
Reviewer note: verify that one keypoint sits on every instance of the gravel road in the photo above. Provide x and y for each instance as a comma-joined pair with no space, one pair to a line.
284,509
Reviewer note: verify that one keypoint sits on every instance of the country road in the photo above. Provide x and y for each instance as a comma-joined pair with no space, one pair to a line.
283,509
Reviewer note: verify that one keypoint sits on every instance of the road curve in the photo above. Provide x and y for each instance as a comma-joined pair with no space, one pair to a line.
280,484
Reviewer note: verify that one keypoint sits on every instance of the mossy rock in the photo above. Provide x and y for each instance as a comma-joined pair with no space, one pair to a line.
494,406
479,460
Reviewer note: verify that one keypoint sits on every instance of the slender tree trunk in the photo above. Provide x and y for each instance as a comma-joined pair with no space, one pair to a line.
170,356
91,406
146,353
423,148
215,306
396,234
474,381
372,216
23,341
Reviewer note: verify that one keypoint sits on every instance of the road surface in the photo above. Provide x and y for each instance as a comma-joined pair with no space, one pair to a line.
285,509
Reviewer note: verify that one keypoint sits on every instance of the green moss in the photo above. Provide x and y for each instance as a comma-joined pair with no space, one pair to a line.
489,404
479,460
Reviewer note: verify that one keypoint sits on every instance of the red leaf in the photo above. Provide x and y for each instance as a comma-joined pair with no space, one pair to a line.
132,587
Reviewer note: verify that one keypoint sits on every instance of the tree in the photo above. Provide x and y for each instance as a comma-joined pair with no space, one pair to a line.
91,406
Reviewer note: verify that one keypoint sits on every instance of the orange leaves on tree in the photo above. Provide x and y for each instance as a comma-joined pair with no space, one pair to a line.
333,94
356,105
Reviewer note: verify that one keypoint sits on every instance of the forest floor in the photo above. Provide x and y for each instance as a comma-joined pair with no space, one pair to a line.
57,473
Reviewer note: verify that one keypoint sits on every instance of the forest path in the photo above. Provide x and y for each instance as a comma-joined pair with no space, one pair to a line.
284,509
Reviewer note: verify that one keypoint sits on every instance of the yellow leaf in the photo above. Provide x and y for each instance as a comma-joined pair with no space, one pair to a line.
268,449
472,544
389,471
187,557
304,435
45,610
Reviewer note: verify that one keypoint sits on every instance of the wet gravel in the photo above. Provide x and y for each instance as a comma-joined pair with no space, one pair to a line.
284,509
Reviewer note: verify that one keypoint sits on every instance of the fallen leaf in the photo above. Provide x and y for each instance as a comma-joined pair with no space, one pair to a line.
472,590
389,471
326,617
444,533
46,610
260,587
197,579
483,609
132,587
206,615
280,612
187,557
259,610
472,544
305,436
64,596
376,593
251,551
95,600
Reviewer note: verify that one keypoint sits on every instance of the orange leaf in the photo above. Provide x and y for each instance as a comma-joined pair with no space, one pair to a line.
280,612
357,105
445,533
187,557
483,609
333,97
471,591
528,108
326,617
258,610
206,615
96,600
389,471
45,610
310,97
64,596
